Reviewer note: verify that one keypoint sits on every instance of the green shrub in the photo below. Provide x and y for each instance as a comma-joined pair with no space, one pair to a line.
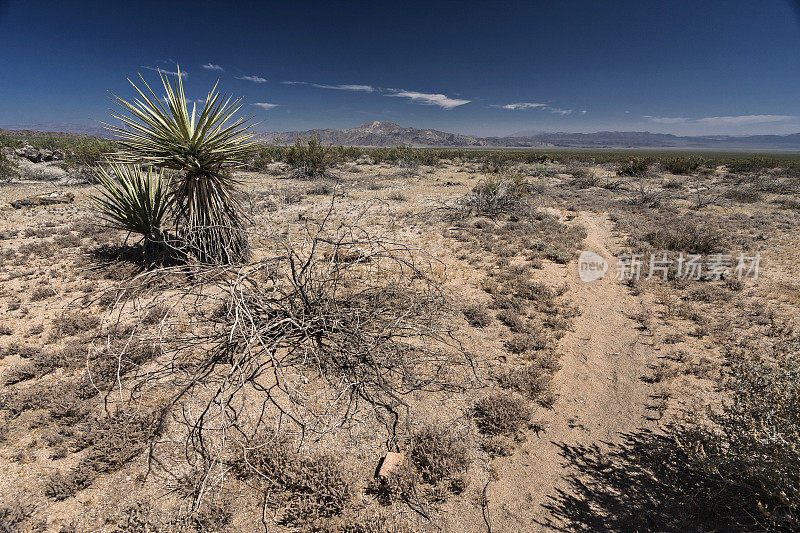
682,165
86,151
634,167
750,164
8,167
310,158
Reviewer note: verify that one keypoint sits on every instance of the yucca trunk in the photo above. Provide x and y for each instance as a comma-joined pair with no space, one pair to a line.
209,218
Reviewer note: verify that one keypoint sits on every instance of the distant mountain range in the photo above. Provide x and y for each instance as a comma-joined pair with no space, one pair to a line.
391,134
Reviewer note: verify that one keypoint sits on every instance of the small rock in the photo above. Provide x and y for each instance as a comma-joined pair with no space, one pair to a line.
47,155
390,462
58,155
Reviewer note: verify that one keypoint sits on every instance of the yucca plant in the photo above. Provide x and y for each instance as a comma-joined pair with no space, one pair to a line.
132,199
203,147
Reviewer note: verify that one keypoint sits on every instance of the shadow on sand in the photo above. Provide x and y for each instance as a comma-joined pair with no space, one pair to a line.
645,483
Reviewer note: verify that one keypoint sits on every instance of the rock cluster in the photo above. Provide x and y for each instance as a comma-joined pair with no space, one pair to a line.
34,155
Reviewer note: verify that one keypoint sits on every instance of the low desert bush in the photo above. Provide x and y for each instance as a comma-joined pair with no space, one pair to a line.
745,196
757,455
477,316
682,165
531,380
303,487
438,454
534,341
13,513
634,167
497,194
513,320
112,442
502,413
41,292
583,178
73,324
685,236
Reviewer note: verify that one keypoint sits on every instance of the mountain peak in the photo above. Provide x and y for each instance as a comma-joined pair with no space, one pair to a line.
378,126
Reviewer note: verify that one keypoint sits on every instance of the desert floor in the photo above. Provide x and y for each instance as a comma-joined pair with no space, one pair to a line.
603,370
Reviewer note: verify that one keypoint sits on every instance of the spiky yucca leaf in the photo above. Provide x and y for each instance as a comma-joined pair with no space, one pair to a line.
171,137
132,199
201,146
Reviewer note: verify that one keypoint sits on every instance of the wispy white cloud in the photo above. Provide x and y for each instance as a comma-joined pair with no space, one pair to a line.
739,120
212,66
357,88
265,105
253,78
744,119
441,100
520,106
667,120
183,73
342,87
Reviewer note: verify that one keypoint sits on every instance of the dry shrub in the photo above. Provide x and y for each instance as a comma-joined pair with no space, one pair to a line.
42,292
60,486
72,324
365,520
477,316
22,372
438,454
685,236
112,441
502,413
531,380
534,341
745,196
13,514
302,487
512,320
307,334
756,454
495,195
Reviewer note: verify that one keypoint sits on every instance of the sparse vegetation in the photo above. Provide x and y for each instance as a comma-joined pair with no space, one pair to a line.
276,385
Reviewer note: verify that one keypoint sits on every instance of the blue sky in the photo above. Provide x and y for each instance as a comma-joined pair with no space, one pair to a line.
487,68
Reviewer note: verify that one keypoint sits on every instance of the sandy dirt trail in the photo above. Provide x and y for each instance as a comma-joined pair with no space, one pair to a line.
601,393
